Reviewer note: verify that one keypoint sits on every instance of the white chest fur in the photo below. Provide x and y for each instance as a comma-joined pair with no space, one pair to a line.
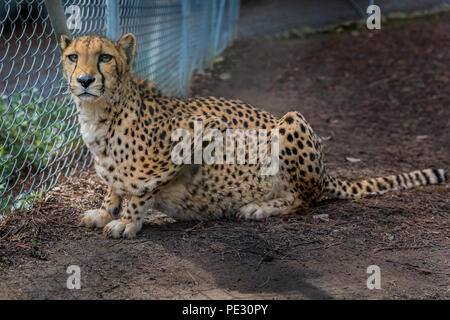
93,126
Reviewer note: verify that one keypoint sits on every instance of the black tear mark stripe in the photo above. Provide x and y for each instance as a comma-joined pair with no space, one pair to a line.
116,64
73,71
117,70
99,71
71,75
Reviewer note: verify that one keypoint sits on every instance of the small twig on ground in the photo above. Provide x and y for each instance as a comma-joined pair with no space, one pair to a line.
400,248
265,282
192,277
194,227
327,246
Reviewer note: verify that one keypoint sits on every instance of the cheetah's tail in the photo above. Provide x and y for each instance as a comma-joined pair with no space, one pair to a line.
340,189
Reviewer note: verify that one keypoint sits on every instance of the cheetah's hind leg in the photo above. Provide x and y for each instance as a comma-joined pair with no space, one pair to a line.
299,169
274,207
262,210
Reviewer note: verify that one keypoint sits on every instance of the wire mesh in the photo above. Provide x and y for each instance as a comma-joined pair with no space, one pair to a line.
39,137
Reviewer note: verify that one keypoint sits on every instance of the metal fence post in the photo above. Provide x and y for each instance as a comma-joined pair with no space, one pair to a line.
112,20
359,9
212,41
55,11
205,33
185,75
231,21
219,23
237,5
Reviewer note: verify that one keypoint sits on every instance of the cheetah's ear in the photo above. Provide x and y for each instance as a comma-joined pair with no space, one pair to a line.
128,45
65,41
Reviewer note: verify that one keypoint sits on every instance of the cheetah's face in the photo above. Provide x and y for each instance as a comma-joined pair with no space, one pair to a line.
95,66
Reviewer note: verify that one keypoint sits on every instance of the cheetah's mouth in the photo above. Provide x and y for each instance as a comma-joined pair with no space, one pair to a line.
91,93
87,94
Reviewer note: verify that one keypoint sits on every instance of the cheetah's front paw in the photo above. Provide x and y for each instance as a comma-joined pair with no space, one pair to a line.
97,218
121,228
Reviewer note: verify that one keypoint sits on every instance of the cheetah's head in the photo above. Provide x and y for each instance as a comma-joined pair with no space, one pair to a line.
95,66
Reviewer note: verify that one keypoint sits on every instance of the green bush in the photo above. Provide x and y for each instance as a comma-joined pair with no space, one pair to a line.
33,132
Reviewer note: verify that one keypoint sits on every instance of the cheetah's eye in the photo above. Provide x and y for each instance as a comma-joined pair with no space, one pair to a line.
73,57
105,57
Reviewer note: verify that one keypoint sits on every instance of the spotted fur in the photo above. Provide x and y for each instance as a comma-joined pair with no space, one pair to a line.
127,123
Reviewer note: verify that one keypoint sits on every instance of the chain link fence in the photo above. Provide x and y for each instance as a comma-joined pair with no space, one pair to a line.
39,138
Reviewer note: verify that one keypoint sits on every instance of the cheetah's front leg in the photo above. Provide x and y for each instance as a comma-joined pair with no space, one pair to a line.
131,221
98,218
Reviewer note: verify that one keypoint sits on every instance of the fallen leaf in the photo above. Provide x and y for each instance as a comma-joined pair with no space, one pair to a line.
420,138
225,76
323,217
217,246
353,160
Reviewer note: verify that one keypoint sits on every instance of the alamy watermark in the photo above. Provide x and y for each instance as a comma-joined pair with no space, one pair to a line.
374,280
73,21
209,147
74,280
374,19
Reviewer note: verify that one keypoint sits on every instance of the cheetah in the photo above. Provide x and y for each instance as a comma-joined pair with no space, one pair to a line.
127,124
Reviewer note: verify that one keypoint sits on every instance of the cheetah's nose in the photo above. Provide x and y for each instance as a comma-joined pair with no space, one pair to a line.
85,81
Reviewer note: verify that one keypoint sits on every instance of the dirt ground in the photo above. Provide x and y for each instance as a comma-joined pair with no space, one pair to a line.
381,97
